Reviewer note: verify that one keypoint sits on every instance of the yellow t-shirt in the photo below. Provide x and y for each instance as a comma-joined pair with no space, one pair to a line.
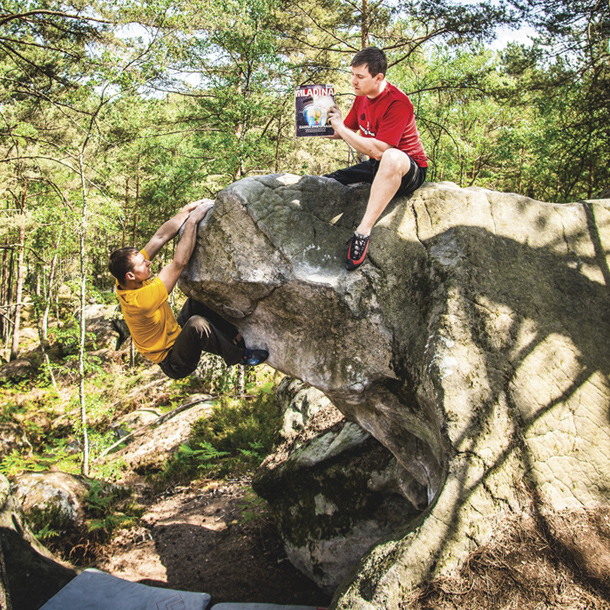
149,317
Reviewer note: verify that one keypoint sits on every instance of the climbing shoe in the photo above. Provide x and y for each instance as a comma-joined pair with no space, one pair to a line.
252,357
356,253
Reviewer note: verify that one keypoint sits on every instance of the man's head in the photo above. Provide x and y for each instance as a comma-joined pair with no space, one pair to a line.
373,59
128,265
368,71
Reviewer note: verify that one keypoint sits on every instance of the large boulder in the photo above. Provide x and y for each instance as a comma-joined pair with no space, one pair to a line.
471,344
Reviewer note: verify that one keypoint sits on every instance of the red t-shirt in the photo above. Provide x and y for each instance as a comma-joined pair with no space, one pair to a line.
389,118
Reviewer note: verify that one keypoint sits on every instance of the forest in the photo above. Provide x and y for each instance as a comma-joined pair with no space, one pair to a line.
114,114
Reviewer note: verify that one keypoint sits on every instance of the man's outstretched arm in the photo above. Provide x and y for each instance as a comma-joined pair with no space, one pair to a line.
169,229
170,273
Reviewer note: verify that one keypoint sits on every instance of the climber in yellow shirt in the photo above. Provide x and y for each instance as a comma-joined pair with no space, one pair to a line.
174,344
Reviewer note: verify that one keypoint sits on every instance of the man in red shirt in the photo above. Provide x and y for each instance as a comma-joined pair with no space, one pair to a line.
381,125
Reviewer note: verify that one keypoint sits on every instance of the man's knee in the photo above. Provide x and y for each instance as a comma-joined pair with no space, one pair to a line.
395,161
198,326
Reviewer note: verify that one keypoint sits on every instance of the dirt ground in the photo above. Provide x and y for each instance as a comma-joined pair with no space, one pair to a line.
216,537
211,537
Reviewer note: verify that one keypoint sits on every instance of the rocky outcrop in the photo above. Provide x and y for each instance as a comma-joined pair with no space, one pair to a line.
471,345
33,574
334,497
53,499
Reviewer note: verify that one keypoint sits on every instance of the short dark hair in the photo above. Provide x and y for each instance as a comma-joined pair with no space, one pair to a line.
121,261
373,58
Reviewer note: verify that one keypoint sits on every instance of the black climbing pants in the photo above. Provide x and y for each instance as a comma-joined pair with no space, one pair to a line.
203,330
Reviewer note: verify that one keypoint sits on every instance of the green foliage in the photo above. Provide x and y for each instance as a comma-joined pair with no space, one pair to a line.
191,463
244,428
49,522
110,507
57,455
234,439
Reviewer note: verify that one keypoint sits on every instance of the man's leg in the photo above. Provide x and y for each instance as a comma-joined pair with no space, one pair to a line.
192,307
361,172
393,167
199,335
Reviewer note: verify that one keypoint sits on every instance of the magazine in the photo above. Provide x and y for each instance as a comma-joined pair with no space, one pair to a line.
312,104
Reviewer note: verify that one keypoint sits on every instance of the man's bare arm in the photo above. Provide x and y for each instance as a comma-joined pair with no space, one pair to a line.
367,146
169,229
170,273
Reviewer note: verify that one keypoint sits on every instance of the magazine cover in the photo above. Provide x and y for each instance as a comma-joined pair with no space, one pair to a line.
312,104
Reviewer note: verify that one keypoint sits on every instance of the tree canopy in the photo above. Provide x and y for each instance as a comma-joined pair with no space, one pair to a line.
113,114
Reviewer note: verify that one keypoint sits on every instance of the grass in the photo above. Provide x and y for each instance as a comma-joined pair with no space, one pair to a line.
236,437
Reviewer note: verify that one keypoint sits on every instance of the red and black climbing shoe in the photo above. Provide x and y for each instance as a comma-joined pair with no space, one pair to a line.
356,253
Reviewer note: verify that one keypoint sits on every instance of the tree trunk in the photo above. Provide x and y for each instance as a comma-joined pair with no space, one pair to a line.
20,278
365,24
126,211
3,295
83,322
134,234
44,322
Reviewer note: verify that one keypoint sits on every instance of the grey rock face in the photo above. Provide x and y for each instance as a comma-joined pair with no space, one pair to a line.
299,403
471,344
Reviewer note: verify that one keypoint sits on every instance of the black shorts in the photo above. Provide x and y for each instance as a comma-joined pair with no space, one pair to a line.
366,171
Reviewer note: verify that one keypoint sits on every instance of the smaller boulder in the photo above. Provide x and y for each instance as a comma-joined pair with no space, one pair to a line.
54,500
17,369
12,437
333,489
